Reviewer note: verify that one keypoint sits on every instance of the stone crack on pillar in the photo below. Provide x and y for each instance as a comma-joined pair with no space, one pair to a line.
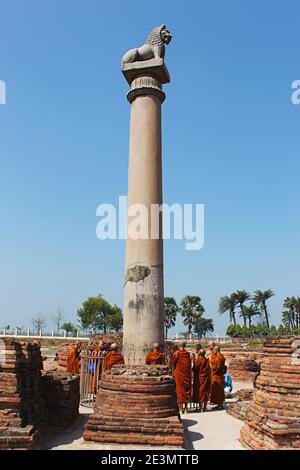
137,273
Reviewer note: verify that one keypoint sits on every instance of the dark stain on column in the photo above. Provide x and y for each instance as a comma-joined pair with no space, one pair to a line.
137,273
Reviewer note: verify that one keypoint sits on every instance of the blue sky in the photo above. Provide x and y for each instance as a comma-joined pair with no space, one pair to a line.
231,142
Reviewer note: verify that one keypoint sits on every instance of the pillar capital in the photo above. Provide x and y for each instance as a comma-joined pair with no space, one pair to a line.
146,78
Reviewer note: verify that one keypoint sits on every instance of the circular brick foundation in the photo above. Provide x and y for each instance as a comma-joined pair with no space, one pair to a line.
136,405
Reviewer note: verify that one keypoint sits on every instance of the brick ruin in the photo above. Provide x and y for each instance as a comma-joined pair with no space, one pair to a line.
61,393
273,417
240,407
136,405
243,364
23,417
29,403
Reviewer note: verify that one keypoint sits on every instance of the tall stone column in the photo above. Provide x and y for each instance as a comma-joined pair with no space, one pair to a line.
143,290
136,403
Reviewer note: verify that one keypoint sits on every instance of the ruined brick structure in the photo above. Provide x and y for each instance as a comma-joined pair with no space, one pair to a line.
239,408
30,403
23,415
243,364
136,405
61,393
273,418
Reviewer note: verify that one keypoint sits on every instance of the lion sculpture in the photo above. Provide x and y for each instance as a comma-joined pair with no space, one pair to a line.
154,48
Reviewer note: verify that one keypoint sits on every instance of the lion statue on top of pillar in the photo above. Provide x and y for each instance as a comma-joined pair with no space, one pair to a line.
154,48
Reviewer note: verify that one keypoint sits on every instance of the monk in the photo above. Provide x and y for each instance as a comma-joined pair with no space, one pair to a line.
181,362
196,377
113,358
217,363
156,356
211,345
74,359
204,380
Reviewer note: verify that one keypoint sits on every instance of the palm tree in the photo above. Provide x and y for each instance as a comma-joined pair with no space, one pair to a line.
191,309
203,326
250,312
290,303
228,304
297,307
241,297
260,300
288,319
171,310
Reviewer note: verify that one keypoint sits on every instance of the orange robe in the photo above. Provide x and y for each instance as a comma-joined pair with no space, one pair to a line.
204,380
217,363
111,359
73,360
196,377
156,357
181,362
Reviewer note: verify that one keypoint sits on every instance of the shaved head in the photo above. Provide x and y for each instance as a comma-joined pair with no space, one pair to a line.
114,347
182,343
202,352
155,345
211,345
217,349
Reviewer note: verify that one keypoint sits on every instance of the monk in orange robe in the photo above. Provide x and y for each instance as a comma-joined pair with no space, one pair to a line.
196,377
113,358
204,380
217,363
74,359
156,356
181,362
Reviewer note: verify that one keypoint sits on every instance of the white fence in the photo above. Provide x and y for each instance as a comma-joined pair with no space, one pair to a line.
31,334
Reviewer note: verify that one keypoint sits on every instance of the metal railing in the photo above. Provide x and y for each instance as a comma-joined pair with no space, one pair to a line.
90,372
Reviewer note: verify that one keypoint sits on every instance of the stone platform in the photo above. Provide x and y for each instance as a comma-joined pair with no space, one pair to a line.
136,405
273,418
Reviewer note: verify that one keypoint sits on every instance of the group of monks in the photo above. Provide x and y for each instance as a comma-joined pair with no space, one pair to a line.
198,376
208,370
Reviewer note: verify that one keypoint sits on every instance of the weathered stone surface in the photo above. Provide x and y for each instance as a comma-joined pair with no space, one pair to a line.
136,405
273,418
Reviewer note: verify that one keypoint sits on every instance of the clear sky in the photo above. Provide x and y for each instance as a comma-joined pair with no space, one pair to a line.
231,142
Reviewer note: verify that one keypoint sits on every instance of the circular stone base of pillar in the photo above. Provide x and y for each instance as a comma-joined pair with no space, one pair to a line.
136,405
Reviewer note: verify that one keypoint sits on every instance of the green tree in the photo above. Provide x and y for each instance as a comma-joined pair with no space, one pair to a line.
288,319
171,310
273,330
115,318
69,328
191,309
250,312
260,298
94,313
284,330
203,326
228,304
241,297
291,304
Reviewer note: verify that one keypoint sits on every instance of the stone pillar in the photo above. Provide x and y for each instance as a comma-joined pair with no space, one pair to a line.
143,290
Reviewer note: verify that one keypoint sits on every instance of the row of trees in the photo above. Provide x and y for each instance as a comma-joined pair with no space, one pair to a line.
290,321
97,314
248,305
192,312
